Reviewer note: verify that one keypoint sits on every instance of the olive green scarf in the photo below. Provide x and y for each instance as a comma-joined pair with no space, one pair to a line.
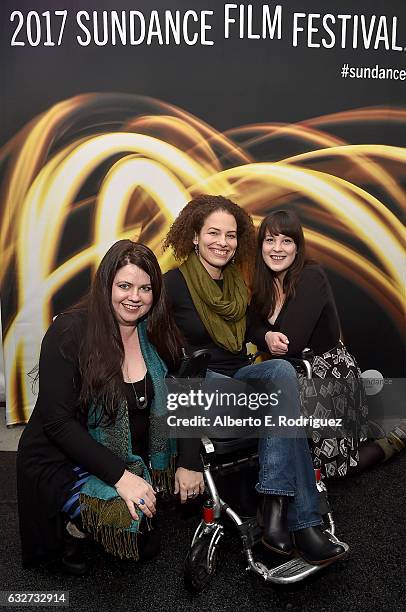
222,312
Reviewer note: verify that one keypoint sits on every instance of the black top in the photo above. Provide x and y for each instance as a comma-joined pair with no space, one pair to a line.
309,318
139,417
195,333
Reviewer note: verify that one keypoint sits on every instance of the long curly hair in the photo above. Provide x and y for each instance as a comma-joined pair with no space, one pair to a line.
265,289
102,351
191,220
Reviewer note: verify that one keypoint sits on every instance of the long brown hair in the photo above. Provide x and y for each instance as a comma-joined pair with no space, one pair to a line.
265,289
102,352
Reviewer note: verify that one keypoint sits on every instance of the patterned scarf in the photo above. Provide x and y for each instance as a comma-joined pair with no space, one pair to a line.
222,311
104,514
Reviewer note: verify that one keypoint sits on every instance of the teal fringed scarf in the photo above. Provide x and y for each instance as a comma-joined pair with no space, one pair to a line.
104,514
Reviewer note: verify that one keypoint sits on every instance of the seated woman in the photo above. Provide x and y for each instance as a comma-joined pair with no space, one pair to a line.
98,418
293,308
209,299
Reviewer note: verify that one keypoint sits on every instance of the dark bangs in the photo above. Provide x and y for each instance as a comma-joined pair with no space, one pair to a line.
286,223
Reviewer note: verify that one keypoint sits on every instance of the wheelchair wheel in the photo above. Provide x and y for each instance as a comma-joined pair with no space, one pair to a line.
201,563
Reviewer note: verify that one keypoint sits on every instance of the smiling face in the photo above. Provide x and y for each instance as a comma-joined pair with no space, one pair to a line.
278,252
217,241
131,294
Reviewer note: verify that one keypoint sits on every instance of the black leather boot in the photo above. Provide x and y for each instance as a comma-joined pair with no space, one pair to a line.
315,547
73,559
271,517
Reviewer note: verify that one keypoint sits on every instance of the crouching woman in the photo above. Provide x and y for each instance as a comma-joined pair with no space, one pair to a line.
94,447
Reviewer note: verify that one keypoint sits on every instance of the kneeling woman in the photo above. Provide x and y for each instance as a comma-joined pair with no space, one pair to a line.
98,418
209,299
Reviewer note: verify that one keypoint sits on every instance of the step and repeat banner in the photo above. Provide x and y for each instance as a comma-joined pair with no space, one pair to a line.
115,114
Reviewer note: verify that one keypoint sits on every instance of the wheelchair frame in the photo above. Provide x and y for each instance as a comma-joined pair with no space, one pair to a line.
200,563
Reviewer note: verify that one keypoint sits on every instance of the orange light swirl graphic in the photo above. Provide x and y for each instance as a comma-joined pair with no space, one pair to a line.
135,162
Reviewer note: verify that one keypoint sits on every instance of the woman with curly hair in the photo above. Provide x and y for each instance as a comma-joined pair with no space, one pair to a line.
214,237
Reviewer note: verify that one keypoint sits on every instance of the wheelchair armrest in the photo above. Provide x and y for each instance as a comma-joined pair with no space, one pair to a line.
302,361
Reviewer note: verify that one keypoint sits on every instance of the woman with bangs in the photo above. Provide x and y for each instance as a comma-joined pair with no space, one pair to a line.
293,308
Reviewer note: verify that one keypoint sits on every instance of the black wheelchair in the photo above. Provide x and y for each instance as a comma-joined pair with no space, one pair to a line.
221,460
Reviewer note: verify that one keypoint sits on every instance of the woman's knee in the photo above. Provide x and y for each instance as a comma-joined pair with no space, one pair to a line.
277,368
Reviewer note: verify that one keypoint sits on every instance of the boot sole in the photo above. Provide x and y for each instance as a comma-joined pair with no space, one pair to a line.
342,555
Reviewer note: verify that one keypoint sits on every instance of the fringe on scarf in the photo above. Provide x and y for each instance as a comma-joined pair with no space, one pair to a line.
108,522
110,513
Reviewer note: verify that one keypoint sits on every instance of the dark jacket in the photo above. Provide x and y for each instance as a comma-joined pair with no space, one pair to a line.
54,441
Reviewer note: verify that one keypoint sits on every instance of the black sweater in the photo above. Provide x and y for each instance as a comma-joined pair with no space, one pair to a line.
309,318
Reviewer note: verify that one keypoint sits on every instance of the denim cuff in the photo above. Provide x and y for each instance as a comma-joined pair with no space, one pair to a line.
264,491
314,523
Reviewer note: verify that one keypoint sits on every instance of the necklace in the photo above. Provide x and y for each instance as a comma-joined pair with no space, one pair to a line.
142,400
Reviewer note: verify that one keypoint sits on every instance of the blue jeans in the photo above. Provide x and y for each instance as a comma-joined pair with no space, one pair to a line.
285,463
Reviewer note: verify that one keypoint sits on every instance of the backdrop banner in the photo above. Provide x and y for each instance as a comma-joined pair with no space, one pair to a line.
115,114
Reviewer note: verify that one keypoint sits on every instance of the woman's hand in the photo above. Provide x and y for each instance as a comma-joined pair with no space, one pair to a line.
188,483
131,489
277,343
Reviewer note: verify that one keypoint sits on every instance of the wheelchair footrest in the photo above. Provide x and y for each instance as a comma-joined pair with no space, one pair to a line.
293,570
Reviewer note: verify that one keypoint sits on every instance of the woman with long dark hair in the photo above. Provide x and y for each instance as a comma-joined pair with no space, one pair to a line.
95,446
214,238
293,308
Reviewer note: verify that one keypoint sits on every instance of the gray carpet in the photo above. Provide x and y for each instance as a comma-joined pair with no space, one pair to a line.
370,514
